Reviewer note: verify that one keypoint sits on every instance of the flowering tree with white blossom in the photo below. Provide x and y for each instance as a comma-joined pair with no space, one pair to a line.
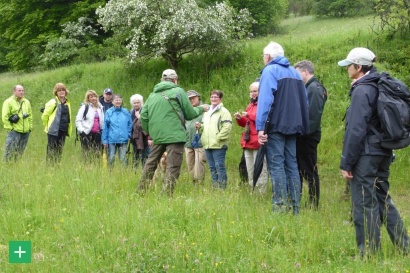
172,28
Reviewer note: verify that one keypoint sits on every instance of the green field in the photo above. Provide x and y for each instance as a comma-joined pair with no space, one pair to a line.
81,218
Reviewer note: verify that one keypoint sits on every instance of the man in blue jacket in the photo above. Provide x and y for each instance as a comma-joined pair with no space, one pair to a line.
282,115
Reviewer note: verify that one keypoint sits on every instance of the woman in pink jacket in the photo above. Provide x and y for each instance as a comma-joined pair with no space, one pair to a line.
249,139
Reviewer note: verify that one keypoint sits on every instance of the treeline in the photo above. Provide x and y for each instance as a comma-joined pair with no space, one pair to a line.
38,34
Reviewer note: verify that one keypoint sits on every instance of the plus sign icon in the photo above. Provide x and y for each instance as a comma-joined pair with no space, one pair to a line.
19,252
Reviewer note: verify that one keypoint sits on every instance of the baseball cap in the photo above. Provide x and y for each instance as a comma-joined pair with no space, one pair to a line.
192,93
108,91
358,55
169,74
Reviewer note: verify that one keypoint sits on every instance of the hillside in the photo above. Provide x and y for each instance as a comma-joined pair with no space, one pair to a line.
80,218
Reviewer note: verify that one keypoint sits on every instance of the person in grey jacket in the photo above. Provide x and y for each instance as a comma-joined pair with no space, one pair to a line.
306,145
89,122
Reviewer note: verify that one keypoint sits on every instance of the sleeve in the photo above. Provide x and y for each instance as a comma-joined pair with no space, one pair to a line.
30,116
104,135
5,116
144,117
79,119
356,127
226,125
129,125
242,121
316,105
268,84
49,108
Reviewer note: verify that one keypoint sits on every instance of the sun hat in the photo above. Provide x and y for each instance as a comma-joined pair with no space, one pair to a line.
192,93
358,55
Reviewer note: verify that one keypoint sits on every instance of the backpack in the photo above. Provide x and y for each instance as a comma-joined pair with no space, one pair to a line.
393,109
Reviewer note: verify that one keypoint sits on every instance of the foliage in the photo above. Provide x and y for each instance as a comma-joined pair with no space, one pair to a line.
300,7
173,28
343,8
27,26
394,16
75,36
267,13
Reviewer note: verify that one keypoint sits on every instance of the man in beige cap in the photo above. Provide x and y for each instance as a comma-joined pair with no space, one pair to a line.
163,116
364,163
195,154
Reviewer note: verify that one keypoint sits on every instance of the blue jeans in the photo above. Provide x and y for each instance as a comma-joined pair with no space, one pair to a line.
122,153
283,168
15,144
216,162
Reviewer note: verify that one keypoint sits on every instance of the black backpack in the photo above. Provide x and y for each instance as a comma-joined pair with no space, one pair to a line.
393,109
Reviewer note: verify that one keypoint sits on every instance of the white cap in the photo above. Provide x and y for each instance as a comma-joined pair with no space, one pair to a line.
169,74
358,55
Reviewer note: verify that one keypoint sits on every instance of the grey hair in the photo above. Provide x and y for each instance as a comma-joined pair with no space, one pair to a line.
306,65
137,97
274,50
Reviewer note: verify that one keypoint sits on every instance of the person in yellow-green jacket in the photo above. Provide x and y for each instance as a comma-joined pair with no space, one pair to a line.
57,122
18,121
216,127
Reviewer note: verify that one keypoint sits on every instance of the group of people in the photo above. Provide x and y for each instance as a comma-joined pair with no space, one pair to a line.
284,115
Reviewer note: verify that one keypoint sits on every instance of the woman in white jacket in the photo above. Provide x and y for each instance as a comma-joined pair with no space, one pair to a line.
89,122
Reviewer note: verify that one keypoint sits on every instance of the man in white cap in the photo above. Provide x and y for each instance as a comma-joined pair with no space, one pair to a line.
364,162
163,116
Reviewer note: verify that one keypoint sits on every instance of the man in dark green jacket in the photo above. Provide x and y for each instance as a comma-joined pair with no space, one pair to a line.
163,117
18,121
306,145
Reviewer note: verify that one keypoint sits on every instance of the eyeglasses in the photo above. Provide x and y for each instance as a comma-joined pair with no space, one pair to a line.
214,97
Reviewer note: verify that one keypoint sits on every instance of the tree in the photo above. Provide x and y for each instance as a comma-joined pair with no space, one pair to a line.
343,8
27,26
394,16
173,28
266,13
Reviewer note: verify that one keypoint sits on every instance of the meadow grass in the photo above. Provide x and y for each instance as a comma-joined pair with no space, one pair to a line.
81,217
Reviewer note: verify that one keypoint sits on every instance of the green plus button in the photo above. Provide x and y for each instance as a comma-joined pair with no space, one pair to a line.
19,252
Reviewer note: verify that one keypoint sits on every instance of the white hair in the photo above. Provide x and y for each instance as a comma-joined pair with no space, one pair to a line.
274,50
254,84
137,97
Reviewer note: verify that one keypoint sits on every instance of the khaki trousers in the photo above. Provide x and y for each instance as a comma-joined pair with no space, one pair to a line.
195,160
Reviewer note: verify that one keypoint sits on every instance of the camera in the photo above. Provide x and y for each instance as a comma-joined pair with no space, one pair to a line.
25,115
14,118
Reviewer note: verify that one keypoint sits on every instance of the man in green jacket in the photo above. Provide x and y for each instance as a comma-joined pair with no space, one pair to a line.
163,117
18,121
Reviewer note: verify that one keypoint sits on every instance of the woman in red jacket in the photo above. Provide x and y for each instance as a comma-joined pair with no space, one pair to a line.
249,139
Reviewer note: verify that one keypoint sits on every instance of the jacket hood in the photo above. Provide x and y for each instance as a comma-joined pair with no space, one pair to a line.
163,86
280,61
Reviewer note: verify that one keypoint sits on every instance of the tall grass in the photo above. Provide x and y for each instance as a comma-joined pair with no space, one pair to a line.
83,218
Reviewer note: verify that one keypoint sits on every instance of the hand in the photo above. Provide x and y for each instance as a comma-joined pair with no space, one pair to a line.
245,114
149,143
237,115
197,125
205,107
137,114
105,145
346,174
262,138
